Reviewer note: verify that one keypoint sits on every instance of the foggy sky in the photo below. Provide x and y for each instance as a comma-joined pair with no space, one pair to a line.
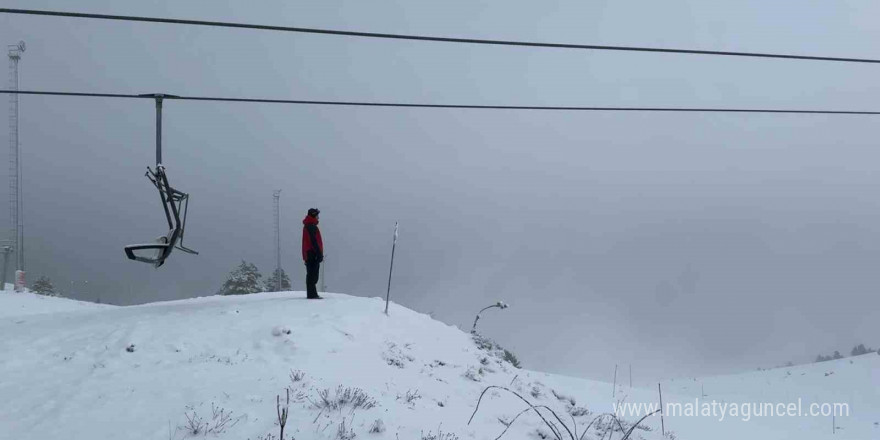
683,244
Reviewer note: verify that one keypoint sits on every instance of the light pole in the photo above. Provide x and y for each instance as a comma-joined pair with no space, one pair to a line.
499,304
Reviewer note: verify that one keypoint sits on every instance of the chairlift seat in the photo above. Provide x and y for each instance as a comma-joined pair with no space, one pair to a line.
172,202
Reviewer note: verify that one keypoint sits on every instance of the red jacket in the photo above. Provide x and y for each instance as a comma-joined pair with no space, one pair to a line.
312,245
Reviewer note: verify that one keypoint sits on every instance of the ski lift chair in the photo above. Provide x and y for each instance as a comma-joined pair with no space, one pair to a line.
173,201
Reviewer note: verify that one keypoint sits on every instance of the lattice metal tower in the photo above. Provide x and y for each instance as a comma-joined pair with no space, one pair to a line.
15,197
277,196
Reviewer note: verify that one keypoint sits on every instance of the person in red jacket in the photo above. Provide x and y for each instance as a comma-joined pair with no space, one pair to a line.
313,252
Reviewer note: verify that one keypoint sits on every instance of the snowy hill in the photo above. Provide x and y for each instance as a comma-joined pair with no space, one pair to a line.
853,381
212,367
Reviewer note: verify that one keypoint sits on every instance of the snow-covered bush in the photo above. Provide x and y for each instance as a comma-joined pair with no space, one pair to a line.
377,427
242,280
493,349
44,286
474,374
396,357
511,358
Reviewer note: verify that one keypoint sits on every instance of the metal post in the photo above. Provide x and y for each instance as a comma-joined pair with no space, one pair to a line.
6,251
277,198
158,130
662,423
391,269
630,375
614,390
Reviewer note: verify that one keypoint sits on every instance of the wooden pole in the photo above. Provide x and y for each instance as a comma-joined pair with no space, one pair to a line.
630,375
662,423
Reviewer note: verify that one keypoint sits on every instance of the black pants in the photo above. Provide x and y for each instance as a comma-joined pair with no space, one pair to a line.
313,272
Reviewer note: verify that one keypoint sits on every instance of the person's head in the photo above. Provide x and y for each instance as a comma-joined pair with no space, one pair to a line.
314,212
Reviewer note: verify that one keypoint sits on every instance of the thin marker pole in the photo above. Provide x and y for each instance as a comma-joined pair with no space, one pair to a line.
614,390
662,423
391,269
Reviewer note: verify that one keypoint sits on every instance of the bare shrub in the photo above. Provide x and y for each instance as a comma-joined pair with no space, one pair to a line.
440,435
355,398
297,375
345,432
578,411
282,412
564,398
557,432
218,423
410,397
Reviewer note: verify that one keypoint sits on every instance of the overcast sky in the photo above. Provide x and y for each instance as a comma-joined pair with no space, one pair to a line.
683,244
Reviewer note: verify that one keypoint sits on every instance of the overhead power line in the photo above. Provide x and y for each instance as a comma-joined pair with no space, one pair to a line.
429,38
442,106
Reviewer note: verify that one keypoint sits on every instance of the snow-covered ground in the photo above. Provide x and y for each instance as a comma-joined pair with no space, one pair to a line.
15,305
212,367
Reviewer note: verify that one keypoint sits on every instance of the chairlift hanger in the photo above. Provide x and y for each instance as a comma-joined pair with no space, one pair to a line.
173,202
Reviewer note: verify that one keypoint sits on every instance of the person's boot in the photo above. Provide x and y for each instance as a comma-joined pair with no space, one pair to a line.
312,292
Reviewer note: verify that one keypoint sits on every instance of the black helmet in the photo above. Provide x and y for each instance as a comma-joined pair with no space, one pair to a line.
313,212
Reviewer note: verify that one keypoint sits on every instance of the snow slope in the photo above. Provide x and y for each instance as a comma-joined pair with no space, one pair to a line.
84,371
22,304
853,381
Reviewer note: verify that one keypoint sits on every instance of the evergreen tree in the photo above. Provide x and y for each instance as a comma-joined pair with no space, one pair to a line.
510,357
836,355
43,286
271,284
243,280
859,350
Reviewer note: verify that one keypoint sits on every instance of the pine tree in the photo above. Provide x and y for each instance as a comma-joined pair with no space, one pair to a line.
271,284
836,355
243,280
43,286
859,350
